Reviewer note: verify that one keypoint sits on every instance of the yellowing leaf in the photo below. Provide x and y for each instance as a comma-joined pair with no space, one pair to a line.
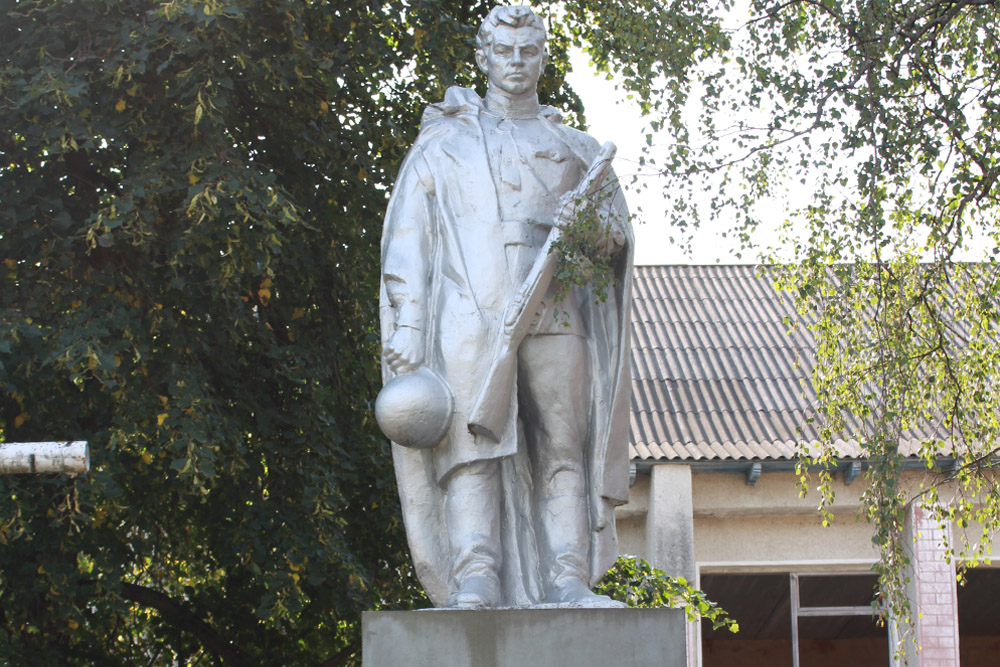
357,582
120,106
298,312
20,419
10,264
147,457
131,91
264,292
192,179
324,106
160,418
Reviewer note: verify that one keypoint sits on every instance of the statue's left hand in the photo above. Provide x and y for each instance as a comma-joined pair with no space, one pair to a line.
405,350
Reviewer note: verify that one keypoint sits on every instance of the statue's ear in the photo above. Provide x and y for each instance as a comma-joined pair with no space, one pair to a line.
481,60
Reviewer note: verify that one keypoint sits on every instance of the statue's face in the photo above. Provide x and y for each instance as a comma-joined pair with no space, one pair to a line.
514,60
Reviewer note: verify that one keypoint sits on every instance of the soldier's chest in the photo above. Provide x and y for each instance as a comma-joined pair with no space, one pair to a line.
527,157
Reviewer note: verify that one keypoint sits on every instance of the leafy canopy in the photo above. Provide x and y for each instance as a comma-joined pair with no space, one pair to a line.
189,244
863,133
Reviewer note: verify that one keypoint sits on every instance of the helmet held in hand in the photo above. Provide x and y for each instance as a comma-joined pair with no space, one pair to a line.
414,409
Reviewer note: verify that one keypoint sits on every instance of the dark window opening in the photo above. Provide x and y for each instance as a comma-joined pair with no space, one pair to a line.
846,633
979,618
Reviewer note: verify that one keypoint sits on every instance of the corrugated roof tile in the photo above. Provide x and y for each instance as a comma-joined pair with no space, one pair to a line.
718,374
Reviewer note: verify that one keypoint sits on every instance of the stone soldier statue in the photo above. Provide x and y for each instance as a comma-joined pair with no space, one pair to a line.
520,514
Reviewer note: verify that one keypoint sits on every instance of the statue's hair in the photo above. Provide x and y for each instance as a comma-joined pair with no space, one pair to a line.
515,17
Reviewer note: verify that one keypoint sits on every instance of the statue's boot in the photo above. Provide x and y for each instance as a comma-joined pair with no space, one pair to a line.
566,535
477,591
471,507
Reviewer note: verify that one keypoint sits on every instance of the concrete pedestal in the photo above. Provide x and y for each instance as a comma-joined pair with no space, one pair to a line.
524,638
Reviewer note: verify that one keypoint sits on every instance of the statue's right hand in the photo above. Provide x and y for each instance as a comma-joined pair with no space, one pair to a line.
405,350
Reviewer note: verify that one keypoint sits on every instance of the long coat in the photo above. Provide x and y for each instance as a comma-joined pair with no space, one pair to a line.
443,261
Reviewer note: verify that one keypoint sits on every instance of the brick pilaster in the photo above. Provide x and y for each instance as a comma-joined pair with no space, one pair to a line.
933,594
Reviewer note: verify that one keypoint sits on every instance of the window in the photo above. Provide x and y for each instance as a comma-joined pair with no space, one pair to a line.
979,618
828,624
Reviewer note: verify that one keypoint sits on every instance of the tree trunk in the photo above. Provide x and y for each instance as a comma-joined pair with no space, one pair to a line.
30,457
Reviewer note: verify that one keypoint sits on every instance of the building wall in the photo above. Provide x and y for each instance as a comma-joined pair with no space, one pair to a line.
734,527
632,536
769,522
779,539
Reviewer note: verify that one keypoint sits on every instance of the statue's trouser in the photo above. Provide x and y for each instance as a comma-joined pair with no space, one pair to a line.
471,505
554,399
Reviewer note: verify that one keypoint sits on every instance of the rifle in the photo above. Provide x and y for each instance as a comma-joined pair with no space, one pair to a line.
489,412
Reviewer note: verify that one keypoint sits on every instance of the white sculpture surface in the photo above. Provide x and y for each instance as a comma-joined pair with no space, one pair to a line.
514,504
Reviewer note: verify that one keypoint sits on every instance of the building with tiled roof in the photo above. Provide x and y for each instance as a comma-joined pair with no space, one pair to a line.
721,403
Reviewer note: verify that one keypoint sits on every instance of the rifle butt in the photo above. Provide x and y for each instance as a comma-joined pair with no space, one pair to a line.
490,411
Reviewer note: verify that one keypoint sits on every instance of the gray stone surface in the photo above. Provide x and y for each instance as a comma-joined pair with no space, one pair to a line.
524,638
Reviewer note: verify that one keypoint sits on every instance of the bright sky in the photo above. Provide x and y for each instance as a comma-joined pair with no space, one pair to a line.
611,117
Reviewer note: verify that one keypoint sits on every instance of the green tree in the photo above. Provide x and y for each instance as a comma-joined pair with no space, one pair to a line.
638,584
868,130
189,243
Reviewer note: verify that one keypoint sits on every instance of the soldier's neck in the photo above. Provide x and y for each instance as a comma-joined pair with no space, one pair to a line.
503,104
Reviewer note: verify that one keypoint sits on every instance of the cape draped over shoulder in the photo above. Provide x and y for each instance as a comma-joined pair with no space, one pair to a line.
442,251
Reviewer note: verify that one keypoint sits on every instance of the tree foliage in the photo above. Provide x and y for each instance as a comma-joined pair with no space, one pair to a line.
189,242
638,584
192,202
192,197
866,131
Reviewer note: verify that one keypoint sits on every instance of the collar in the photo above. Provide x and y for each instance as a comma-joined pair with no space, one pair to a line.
459,101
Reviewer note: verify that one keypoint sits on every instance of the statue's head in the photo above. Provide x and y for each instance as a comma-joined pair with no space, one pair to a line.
511,49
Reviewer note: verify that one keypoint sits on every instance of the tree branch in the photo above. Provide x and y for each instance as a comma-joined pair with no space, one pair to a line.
339,659
185,619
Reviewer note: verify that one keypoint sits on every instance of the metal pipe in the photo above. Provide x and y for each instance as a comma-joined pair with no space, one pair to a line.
793,593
